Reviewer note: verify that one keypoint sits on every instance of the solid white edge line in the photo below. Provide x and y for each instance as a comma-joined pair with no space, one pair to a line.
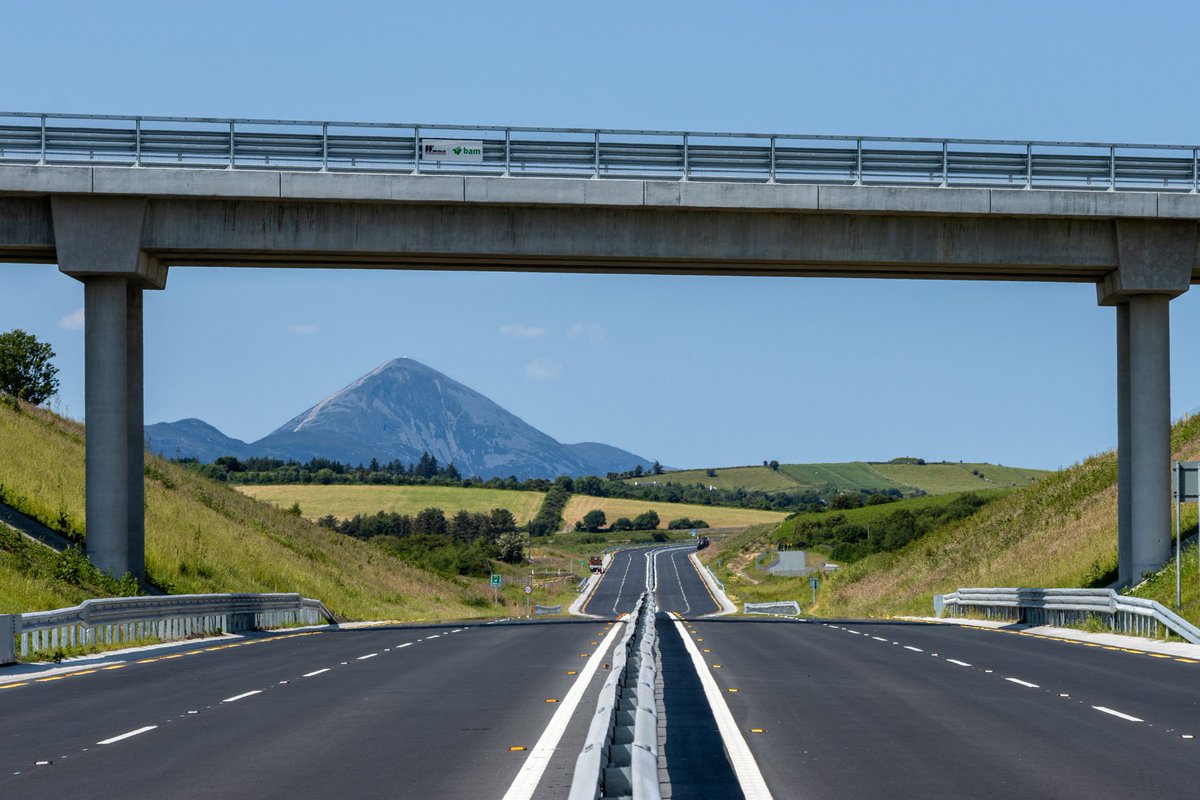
526,782
316,672
1116,713
744,766
237,697
1023,683
129,734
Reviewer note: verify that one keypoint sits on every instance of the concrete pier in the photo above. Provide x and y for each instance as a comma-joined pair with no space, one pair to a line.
106,304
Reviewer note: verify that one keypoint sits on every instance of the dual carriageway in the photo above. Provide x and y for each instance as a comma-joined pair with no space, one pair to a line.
828,709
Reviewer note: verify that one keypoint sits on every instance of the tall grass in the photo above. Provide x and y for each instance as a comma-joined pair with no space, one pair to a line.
202,536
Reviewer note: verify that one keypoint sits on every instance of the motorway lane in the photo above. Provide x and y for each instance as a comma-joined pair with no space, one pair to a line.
679,587
388,712
866,710
620,586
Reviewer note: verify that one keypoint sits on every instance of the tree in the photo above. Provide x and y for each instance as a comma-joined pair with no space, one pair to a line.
25,369
622,524
512,547
647,521
657,468
774,465
594,520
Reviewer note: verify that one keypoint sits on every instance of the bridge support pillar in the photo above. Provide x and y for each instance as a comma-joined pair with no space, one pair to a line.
1155,265
99,243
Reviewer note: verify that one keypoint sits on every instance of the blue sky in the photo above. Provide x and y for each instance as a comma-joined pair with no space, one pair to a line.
692,371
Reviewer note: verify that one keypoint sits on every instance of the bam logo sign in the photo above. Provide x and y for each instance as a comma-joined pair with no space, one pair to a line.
451,150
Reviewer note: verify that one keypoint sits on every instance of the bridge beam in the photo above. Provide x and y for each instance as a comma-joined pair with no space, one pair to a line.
99,243
1155,265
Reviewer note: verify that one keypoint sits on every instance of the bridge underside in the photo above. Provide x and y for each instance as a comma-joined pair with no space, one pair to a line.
121,242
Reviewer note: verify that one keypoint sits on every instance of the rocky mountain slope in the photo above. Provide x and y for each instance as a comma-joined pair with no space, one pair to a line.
398,411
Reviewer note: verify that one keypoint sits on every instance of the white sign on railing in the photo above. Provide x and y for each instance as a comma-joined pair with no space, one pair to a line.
470,150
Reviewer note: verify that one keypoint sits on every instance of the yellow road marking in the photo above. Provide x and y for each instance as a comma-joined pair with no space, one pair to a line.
13,685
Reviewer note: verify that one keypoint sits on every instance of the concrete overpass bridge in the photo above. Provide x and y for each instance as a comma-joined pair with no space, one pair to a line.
116,201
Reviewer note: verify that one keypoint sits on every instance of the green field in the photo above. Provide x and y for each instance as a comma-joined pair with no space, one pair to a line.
201,537
946,478
854,476
715,516
768,480
344,502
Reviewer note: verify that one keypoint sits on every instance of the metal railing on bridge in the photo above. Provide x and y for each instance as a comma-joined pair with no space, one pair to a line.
145,141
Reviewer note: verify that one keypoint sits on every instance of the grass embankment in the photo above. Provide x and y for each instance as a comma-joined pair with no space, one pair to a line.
202,536
615,508
344,502
1058,532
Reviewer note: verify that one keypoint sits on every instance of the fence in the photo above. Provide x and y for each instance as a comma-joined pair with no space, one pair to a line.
117,620
32,138
785,608
620,753
1133,615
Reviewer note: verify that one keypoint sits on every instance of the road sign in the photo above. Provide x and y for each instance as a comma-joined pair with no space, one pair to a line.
693,533
528,589
813,582
495,580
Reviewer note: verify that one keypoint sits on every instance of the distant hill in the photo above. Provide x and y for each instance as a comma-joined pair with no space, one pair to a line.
854,476
397,412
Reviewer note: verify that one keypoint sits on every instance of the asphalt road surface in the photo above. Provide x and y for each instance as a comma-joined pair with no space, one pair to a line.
865,709
900,710
389,712
678,586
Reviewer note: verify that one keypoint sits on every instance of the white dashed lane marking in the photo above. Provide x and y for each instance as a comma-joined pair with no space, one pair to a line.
315,672
1115,713
128,735
1023,683
241,696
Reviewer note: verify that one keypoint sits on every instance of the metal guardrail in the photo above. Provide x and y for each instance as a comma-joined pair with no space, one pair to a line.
1124,614
114,620
327,146
546,609
620,753
785,608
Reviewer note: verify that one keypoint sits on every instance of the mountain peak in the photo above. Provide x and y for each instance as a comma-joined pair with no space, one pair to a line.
404,408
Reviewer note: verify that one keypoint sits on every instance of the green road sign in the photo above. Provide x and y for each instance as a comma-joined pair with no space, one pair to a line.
495,580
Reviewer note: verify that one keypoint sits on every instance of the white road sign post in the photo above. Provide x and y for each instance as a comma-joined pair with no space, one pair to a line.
529,598
1186,489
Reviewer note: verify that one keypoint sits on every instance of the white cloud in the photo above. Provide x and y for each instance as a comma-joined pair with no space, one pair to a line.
543,369
519,331
72,321
304,329
588,330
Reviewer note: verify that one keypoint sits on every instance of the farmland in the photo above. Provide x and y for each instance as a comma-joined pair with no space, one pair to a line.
344,501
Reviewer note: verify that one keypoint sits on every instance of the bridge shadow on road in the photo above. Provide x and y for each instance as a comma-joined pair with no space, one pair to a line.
695,755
